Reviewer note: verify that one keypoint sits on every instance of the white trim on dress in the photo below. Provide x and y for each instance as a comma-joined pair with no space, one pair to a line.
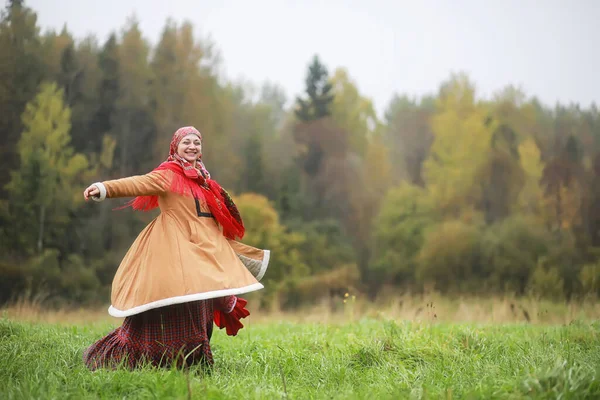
102,190
264,265
183,299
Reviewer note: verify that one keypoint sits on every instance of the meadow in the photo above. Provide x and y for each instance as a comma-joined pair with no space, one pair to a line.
413,348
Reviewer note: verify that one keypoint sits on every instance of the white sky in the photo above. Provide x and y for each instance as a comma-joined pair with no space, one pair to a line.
549,48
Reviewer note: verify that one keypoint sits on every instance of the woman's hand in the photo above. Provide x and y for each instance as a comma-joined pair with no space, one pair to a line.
91,191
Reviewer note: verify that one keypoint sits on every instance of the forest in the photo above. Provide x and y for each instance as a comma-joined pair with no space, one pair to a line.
450,192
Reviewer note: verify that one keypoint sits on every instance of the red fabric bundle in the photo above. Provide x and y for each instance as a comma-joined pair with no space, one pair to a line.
231,321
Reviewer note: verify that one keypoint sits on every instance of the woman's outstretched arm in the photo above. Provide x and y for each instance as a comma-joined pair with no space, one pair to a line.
153,183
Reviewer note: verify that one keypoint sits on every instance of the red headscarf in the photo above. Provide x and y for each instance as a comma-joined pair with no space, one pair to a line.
190,180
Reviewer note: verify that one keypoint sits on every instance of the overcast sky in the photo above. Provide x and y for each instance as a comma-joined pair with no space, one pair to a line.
549,48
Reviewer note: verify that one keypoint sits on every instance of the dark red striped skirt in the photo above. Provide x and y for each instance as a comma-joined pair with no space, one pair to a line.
178,334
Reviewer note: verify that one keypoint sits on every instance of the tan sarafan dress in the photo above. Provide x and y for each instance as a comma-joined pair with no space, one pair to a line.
181,256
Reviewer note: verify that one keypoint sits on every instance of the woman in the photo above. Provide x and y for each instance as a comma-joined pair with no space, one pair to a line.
185,268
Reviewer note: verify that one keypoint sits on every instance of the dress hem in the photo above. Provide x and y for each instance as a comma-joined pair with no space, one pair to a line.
115,312
264,265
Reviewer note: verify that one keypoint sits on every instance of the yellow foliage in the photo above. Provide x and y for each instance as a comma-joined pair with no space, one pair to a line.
531,195
448,255
260,219
316,286
561,206
589,276
263,230
108,150
353,112
460,148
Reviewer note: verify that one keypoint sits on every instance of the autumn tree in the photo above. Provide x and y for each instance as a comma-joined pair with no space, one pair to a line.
353,112
462,135
44,189
562,184
21,71
531,196
53,52
407,212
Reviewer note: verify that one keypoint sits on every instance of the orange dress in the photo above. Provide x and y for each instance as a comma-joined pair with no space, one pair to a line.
181,256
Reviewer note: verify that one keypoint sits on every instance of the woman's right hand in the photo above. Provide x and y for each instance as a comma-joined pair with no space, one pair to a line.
91,191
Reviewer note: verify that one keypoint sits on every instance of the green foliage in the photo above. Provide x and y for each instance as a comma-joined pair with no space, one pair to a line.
307,260
501,176
108,93
546,283
407,212
564,257
263,230
313,289
254,176
21,71
589,276
326,245
47,186
13,282
449,258
511,250
131,116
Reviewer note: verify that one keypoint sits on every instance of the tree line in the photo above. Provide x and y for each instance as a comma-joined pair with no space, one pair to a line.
450,192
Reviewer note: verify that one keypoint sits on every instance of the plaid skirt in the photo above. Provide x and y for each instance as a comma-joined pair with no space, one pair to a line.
178,334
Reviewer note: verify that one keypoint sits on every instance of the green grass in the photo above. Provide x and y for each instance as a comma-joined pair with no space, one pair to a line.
366,359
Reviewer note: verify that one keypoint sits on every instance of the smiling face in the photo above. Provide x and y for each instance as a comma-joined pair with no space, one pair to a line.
190,148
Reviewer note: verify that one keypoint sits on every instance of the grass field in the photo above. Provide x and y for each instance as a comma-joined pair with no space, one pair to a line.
362,355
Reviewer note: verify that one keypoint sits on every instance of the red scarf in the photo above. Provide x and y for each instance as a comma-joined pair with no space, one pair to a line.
191,181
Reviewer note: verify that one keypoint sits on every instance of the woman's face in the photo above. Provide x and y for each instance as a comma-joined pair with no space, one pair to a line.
190,148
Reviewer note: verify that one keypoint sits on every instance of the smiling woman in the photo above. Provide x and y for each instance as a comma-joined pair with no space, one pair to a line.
184,271
190,148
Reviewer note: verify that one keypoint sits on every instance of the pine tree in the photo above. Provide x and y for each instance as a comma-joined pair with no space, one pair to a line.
70,74
318,88
15,3
108,92
132,122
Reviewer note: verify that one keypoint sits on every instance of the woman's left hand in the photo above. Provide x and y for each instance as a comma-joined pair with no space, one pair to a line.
91,191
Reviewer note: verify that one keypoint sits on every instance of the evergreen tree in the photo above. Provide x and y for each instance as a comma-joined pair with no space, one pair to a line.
318,88
132,122
70,73
108,92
